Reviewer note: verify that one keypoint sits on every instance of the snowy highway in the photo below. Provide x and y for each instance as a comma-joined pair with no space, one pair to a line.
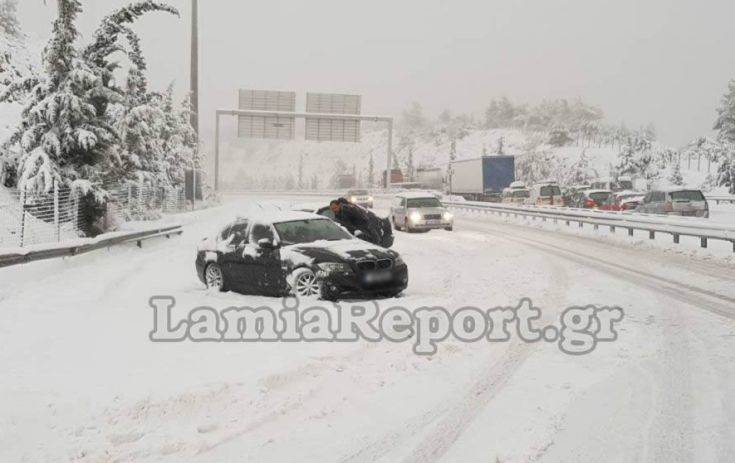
82,381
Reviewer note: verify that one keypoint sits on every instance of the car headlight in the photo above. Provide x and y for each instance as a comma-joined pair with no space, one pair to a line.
333,267
398,261
352,199
370,199
448,216
414,217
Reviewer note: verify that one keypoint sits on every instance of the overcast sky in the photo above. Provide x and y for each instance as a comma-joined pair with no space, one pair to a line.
660,61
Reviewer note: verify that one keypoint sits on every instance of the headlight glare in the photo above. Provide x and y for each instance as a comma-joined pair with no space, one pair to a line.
414,217
448,216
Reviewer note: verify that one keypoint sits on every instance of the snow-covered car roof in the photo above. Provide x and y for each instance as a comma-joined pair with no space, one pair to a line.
630,193
280,216
417,194
517,185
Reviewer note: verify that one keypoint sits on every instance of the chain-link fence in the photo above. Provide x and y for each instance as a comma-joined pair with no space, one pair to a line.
142,202
27,219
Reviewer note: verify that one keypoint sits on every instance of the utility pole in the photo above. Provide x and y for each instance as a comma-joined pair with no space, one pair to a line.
194,93
194,74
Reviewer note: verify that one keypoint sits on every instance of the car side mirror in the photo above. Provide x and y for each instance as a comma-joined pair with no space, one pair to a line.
266,243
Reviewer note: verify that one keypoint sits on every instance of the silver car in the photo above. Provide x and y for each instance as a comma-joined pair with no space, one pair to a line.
360,197
419,212
682,201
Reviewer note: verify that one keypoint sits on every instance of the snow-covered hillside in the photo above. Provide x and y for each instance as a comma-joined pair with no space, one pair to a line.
244,161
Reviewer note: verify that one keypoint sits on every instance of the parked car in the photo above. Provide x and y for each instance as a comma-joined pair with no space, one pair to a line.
360,197
545,194
684,202
515,195
628,200
419,211
597,199
572,193
623,182
297,253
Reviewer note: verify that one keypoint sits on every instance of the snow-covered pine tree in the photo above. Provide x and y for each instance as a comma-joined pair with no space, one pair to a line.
141,126
626,158
140,118
177,138
725,126
15,68
371,171
61,135
725,123
675,177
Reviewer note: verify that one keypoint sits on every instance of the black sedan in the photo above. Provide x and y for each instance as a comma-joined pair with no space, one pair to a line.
298,253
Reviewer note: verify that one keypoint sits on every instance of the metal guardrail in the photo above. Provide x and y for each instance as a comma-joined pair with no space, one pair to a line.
85,245
676,227
721,198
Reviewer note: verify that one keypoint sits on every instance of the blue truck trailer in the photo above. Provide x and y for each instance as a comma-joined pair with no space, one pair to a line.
481,179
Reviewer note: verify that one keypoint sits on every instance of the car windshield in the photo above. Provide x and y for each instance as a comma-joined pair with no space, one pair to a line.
520,194
357,193
550,190
625,184
423,202
308,231
687,195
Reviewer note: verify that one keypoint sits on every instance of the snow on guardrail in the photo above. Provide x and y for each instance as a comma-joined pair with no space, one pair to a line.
24,255
675,226
721,198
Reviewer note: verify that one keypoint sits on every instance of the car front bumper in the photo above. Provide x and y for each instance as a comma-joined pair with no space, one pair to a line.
427,225
355,283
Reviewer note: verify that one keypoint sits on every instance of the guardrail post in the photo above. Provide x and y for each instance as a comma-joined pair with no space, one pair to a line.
676,238
612,228
596,227
57,226
630,232
22,216
703,241
581,224
651,234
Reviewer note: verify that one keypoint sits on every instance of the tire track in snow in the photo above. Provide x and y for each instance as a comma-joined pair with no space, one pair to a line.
719,304
446,424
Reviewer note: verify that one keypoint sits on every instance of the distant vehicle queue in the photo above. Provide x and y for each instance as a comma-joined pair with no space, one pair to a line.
610,196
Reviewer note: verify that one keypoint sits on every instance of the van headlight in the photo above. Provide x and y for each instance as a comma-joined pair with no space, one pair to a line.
334,267
352,199
448,216
414,217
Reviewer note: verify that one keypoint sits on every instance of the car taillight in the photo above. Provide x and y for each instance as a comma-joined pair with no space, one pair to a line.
589,203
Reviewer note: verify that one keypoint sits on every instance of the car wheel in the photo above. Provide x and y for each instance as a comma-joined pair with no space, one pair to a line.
214,277
449,228
305,283
395,224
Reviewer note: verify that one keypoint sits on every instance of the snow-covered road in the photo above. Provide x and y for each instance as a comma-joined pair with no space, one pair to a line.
82,382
